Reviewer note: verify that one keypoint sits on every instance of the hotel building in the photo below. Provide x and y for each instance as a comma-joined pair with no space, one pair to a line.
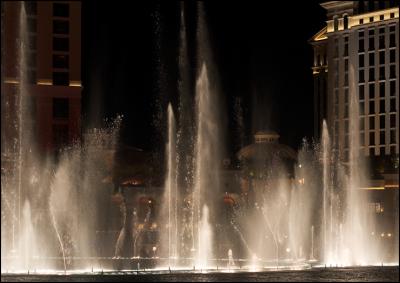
357,51
53,59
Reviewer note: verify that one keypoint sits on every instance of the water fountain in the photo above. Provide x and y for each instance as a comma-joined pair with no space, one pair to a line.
294,219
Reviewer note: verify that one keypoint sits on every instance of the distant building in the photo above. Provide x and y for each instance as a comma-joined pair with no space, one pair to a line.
362,36
53,70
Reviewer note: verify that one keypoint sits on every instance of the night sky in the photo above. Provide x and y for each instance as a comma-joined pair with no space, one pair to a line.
260,49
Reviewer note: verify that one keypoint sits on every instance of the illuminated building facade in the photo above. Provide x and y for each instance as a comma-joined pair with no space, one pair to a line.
358,52
53,59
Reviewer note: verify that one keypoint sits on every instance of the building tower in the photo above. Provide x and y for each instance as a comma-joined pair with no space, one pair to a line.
363,36
54,69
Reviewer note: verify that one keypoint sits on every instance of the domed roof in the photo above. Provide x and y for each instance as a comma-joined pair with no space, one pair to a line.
267,147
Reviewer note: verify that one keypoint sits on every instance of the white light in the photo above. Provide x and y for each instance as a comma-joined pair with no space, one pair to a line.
287,250
299,165
389,235
383,235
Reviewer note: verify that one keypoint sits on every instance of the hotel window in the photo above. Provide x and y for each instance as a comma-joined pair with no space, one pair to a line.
393,120
372,107
346,22
346,111
346,95
381,17
60,10
381,89
362,111
361,21
361,92
346,49
393,150
381,57
392,40
372,123
60,78
382,122
371,43
391,15
393,88
361,45
60,27
382,73
371,151
371,91
371,74
60,44
392,28
60,108
346,126
393,136
393,105
382,137
372,138
382,106
346,78
346,65
392,71
60,61
362,124
361,60
371,19
371,59
346,141
392,56
362,139
361,76
381,42
361,33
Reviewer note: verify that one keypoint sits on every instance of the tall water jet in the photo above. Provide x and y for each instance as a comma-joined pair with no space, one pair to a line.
205,253
185,139
170,209
360,246
207,148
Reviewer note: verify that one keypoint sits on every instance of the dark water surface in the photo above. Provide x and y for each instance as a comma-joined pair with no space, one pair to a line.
371,274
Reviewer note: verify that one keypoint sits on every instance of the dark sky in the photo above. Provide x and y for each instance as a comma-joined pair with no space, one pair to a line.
260,50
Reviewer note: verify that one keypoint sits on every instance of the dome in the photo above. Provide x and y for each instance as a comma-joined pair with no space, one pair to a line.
266,147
